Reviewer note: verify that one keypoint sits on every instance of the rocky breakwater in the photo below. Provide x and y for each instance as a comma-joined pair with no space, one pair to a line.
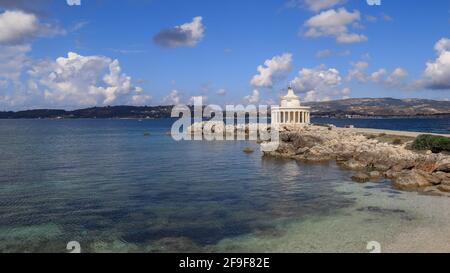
370,158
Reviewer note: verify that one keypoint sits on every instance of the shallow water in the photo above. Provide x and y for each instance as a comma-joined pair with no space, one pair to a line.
106,185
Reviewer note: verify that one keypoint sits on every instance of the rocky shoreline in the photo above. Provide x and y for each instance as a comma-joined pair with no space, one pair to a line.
370,158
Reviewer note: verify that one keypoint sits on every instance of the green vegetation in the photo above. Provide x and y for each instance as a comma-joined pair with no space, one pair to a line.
436,144
397,141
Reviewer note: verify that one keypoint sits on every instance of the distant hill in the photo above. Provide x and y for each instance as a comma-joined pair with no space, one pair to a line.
381,107
95,112
339,108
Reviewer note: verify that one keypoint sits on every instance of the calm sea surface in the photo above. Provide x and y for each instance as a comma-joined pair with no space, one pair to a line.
106,185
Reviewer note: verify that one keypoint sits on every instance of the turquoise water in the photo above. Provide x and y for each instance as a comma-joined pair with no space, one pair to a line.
106,185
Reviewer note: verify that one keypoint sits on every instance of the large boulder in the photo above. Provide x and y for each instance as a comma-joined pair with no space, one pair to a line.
444,188
412,180
306,141
445,167
361,177
403,165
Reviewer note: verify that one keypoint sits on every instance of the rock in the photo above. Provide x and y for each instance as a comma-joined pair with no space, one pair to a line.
249,151
409,170
444,188
361,178
444,177
433,179
444,168
306,141
375,174
428,165
391,174
381,167
411,181
405,165
354,165
301,151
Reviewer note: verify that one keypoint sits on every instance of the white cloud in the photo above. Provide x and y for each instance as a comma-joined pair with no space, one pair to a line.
84,81
315,5
378,75
319,84
74,2
203,99
188,34
174,98
221,92
324,53
253,98
13,59
19,27
437,72
396,77
309,79
272,70
139,98
358,72
335,23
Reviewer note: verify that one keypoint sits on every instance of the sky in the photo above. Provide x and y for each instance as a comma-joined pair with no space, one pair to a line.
68,54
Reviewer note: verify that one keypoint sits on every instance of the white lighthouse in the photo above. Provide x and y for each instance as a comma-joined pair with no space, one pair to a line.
290,112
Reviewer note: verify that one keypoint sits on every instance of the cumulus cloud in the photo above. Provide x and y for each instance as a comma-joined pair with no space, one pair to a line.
19,27
272,70
335,23
378,75
13,59
358,72
188,34
77,80
174,98
437,72
309,79
319,84
221,92
253,98
396,78
314,5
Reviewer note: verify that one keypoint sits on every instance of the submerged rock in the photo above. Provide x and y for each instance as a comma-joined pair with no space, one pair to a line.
361,178
411,181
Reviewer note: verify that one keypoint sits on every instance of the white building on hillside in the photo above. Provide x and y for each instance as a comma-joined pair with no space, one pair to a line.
290,112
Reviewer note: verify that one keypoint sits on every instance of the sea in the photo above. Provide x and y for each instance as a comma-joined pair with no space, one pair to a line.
127,186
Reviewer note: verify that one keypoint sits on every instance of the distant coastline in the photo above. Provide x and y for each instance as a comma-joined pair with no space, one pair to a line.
341,109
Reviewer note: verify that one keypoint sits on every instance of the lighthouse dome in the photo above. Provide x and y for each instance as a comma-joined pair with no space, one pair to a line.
290,100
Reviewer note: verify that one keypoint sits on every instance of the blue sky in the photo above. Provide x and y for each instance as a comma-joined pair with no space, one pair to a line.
169,51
